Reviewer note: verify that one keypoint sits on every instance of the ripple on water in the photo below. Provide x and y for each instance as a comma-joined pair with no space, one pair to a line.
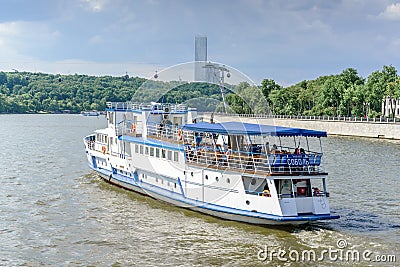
58,213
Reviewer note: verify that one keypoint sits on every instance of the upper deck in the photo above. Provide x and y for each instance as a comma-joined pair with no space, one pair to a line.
246,147
236,146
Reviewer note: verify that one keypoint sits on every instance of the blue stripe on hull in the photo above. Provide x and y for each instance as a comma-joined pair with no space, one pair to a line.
146,188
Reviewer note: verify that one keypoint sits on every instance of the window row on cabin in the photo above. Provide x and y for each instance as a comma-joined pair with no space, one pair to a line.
157,152
102,138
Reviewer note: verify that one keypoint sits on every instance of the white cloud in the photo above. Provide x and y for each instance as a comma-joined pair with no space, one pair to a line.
20,40
95,5
392,12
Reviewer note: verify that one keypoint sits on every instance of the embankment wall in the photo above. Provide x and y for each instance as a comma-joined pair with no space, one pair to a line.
346,128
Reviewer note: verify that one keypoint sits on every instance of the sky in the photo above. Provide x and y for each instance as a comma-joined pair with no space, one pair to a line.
285,40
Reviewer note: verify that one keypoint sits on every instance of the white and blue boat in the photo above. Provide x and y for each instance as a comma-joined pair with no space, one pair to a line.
232,170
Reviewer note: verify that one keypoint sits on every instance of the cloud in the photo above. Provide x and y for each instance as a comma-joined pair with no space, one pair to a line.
23,41
95,5
392,12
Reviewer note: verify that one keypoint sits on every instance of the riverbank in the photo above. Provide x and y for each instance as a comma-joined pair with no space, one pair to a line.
371,129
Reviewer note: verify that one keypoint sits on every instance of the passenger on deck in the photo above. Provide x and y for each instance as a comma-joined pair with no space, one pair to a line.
274,149
198,139
302,151
228,153
159,129
296,151
266,192
194,150
267,149
316,191
218,153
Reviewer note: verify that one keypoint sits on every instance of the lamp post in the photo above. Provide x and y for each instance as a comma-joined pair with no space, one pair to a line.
366,105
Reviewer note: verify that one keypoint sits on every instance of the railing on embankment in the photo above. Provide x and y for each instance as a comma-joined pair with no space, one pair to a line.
311,118
387,128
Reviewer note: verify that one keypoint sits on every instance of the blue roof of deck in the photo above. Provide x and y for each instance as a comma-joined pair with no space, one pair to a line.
238,128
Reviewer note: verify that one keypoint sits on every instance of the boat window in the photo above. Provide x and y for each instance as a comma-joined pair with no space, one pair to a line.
136,148
157,152
253,185
141,149
302,187
146,149
284,188
169,155
163,153
127,148
152,151
110,117
176,156
318,187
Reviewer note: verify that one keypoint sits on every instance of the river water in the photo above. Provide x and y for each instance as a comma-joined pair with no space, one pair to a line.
55,212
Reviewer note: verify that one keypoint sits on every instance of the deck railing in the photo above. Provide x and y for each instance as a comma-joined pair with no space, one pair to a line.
146,106
294,164
169,133
209,155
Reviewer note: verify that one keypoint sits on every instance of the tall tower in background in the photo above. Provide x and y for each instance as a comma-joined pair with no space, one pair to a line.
200,58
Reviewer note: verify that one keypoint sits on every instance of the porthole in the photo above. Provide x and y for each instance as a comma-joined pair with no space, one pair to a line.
206,177
191,173
216,179
253,181
228,180
247,202
175,185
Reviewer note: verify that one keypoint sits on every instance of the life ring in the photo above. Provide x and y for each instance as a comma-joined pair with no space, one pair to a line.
179,134
103,148
133,128
266,193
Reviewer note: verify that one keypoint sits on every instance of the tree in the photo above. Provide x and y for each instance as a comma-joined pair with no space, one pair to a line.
267,85
393,93
376,87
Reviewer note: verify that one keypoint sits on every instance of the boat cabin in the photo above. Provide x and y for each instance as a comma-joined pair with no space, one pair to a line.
253,148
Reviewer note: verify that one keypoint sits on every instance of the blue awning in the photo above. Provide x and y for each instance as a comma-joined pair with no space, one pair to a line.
238,128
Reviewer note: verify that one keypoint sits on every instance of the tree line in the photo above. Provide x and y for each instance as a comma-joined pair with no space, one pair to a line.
344,94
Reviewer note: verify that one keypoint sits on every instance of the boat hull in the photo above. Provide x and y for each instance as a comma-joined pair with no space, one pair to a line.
221,212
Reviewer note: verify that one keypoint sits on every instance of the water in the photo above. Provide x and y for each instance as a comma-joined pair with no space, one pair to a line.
55,212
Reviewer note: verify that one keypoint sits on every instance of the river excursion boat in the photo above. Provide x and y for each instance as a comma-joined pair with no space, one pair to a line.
228,170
